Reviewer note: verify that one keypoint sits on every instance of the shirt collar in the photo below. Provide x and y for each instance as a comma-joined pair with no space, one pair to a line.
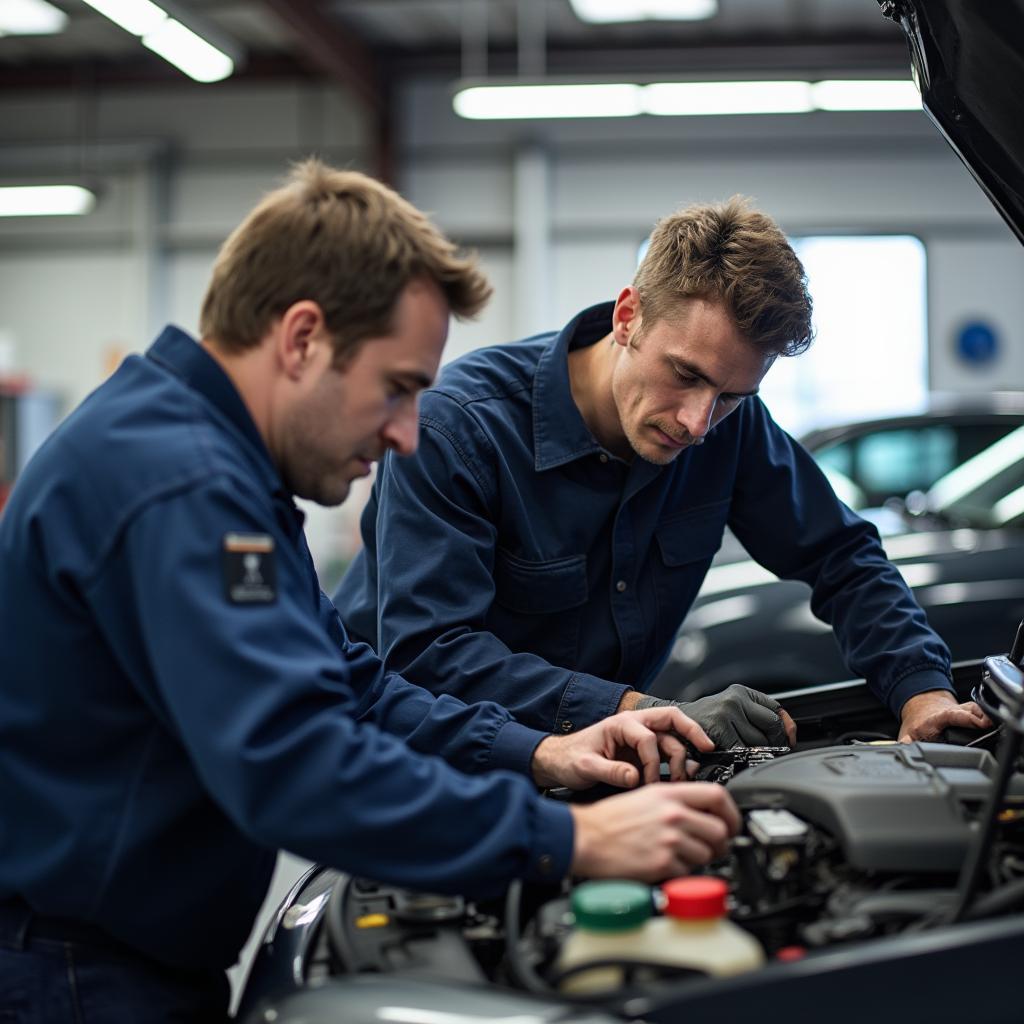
179,353
559,431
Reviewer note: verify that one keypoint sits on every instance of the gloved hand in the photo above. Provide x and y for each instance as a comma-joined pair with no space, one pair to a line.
736,717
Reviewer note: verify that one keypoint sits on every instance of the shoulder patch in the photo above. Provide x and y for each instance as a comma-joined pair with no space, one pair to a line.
250,568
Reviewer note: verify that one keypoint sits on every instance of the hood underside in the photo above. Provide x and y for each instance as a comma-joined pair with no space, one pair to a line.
967,57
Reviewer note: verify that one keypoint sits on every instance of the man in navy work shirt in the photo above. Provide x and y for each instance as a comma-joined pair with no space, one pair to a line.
177,697
544,544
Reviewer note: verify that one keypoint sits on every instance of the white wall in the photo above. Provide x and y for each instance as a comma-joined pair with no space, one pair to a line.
976,279
176,169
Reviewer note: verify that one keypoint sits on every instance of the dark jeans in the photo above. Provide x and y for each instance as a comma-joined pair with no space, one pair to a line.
58,972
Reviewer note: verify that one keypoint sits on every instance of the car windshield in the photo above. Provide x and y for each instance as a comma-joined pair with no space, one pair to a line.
885,461
986,491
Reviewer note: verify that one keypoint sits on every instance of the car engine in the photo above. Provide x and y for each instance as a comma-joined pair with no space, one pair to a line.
845,847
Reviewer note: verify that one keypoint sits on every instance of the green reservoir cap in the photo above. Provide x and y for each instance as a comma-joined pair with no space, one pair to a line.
611,906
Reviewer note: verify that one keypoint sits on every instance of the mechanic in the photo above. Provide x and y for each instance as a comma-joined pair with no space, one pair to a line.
545,543
178,700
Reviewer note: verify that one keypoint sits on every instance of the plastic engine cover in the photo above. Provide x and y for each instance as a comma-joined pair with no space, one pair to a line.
907,807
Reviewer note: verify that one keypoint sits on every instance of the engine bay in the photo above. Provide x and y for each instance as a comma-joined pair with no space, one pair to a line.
855,855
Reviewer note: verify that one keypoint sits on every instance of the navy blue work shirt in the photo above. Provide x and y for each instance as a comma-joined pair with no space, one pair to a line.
513,559
172,711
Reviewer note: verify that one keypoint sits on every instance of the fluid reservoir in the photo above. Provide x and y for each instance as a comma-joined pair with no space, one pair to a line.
615,927
693,930
610,922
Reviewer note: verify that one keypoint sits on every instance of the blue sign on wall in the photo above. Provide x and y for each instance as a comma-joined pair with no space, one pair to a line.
977,343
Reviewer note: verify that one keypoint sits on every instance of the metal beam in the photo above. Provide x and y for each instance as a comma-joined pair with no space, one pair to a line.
346,59
335,52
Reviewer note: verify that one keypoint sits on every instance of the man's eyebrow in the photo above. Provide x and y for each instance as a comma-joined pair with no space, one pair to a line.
414,377
696,371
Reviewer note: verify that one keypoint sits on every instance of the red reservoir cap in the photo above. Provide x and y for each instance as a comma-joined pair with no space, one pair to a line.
702,896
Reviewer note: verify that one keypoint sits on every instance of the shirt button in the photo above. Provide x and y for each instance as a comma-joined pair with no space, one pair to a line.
566,725
620,586
603,457
545,862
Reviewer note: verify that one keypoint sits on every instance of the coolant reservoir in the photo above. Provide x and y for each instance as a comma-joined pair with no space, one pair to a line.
614,928
610,923
693,930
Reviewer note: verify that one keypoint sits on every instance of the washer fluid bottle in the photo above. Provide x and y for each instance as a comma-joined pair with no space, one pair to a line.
610,925
693,930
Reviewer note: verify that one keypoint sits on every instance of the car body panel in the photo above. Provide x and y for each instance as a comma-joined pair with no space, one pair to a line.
959,546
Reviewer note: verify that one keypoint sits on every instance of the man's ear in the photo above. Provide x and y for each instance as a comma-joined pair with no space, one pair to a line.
626,315
301,336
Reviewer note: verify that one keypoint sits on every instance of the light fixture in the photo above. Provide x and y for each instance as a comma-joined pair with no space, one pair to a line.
511,99
609,11
693,98
487,102
191,53
866,94
30,18
135,16
45,200
170,38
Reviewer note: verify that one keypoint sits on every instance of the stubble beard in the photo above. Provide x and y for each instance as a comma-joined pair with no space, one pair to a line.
647,449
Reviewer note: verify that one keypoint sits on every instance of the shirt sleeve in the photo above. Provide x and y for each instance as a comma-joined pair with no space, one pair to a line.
292,735
430,538
786,514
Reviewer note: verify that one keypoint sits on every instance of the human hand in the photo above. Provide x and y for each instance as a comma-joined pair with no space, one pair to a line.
736,717
620,750
925,715
657,832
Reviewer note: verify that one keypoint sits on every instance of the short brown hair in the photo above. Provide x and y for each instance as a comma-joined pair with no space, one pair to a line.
730,253
342,240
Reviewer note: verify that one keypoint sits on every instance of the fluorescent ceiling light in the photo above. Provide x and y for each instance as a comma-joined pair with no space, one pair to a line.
135,16
511,100
30,18
608,11
168,38
191,53
674,98
866,95
535,101
45,200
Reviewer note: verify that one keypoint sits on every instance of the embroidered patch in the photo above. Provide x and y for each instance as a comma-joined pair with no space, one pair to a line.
250,568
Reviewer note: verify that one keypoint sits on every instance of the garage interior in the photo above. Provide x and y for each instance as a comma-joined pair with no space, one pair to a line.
558,208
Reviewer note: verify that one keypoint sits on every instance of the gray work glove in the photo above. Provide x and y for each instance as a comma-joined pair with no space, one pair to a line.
736,717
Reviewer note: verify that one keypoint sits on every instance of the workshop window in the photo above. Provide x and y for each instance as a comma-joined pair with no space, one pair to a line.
870,354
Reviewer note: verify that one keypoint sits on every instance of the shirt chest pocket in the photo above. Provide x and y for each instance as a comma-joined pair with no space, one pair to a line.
686,543
692,536
538,605
538,588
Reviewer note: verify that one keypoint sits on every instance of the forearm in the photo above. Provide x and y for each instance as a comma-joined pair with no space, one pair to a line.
629,700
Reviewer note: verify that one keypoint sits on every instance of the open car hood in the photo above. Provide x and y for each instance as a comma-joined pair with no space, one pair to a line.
967,58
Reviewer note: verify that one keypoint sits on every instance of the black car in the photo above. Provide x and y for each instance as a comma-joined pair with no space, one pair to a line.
933,485
884,881
873,462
